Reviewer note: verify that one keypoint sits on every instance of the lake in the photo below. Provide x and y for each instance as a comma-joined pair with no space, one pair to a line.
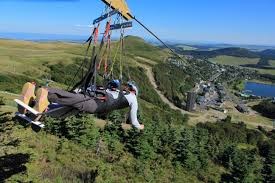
259,89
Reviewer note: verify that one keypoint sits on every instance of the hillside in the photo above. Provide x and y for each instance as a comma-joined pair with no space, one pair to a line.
216,46
238,52
168,150
268,53
261,61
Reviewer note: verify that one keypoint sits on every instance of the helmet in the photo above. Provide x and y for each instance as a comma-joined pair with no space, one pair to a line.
114,84
133,87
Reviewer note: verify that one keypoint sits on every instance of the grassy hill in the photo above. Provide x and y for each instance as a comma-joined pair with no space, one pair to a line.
135,46
231,51
261,61
235,61
77,150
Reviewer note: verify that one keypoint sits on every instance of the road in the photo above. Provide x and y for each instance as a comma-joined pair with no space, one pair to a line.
150,75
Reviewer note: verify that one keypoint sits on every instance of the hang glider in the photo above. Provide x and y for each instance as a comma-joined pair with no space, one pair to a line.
121,7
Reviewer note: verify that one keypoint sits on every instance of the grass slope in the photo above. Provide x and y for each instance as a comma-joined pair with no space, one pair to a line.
235,61
22,56
238,61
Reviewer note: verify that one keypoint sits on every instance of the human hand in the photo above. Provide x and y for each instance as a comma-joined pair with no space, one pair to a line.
141,127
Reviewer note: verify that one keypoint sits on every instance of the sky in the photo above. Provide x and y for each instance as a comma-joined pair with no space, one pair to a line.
215,21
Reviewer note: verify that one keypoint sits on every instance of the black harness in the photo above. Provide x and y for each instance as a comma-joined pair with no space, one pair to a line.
110,104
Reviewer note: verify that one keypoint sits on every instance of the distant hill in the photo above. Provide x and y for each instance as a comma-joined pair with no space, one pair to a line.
139,47
232,51
216,46
268,53
238,52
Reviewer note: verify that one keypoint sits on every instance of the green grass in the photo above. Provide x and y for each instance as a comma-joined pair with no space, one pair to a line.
267,71
23,61
235,61
138,47
239,85
19,57
272,63
238,61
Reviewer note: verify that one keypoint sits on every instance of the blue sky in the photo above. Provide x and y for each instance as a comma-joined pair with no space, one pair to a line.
223,21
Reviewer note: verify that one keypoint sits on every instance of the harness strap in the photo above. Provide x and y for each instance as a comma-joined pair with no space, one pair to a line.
108,55
107,28
105,37
96,34
121,55
81,67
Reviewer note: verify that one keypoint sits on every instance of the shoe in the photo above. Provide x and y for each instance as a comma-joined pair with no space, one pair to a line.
41,100
27,96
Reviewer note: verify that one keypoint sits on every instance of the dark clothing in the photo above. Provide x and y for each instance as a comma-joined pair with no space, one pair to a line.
86,103
112,104
81,102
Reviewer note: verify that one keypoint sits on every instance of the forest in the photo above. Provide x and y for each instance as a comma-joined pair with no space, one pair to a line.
164,152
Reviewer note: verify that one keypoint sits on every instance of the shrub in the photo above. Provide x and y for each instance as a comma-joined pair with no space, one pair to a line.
266,108
2,101
191,149
80,129
13,83
244,165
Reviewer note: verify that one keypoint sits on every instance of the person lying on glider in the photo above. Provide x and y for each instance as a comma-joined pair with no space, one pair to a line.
115,99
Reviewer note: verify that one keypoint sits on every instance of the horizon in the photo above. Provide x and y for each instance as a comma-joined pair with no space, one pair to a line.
25,36
234,22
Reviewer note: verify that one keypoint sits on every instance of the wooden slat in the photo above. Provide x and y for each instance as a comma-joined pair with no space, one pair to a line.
19,102
24,117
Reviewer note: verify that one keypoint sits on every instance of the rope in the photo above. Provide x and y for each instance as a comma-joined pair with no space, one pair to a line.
121,56
91,39
105,38
177,55
81,67
114,60
108,54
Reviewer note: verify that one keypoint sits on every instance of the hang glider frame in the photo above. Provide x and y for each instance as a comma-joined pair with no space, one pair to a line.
105,16
121,26
121,7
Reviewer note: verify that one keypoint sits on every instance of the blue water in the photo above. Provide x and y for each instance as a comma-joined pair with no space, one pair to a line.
259,89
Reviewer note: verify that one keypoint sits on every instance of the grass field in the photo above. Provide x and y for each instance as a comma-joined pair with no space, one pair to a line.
272,63
22,61
267,71
22,56
235,61
19,57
